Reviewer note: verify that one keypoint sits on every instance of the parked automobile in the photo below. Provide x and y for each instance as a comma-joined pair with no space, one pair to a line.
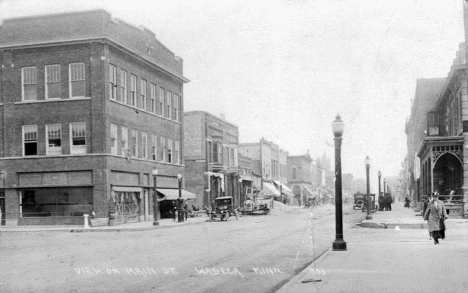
224,208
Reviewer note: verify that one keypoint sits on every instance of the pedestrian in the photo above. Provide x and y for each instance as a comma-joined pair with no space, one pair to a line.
407,202
381,202
388,201
435,215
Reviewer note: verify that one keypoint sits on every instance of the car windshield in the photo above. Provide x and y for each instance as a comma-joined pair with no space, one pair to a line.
224,201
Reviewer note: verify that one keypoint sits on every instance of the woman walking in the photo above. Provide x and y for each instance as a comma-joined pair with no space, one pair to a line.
435,215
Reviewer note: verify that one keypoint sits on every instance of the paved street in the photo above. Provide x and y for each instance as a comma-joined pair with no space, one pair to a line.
254,254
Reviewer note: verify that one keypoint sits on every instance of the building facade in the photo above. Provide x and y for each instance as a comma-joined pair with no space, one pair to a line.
300,177
211,157
442,151
90,105
271,163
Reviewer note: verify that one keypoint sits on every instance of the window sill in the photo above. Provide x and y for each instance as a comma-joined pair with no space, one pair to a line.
53,100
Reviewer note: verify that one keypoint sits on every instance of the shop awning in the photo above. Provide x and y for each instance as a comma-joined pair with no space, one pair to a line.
270,190
284,189
309,192
173,194
246,178
127,189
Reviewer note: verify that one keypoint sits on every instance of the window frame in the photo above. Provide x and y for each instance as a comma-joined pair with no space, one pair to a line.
123,86
168,105
162,149
144,145
114,139
133,90
78,148
30,141
55,82
124,141
160,106
143,93
72,81
153,89
112,82
53,150
23,82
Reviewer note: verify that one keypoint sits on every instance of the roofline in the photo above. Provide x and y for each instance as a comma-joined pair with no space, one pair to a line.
56,14
455,68
101,39
210,114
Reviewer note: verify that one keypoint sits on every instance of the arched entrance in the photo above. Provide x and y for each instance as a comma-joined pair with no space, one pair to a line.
448,174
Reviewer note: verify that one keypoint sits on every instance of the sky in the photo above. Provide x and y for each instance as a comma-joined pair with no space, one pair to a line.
283,69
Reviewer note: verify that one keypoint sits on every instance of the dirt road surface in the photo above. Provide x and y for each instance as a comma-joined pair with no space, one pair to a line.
252,254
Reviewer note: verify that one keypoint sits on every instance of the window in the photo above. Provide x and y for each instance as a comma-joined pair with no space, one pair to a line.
217,153
78,138
144,145
176,152
433,123
162,149
143,94
123,86
169,151
175,107
154,147
167,113
113,138
231,157
133,81
124,141
30,140
225,156
54,139
153,99
161,101
29,80
112,82
294,173
209,152
77,80
134,143
53,86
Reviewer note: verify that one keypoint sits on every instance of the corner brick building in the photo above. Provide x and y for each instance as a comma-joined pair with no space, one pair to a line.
90,105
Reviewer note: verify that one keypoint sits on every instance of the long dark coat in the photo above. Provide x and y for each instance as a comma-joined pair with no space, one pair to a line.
434,212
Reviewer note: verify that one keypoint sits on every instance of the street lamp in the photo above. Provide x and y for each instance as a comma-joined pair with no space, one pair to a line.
384,186
379,174
179,205
155,198
338,128
368,217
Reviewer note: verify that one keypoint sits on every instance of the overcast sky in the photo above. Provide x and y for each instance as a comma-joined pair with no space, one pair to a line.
283,69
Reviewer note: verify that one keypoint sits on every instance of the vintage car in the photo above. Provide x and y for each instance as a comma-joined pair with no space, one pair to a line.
360,202
224,208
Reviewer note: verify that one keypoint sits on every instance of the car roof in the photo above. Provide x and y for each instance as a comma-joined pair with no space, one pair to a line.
224,197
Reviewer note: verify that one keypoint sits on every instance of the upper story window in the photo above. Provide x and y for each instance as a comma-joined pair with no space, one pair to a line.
78,138
133,85
175,107
77,79
134,143
294,172
160,105
231,157
225,156
144,145
217,153
167,113
143,94
30,140
54,139
113,138
154,147
209,151
169,151
53,82
112,82
153,99
433,123
176,152
124,141
123,86
29,81
162,149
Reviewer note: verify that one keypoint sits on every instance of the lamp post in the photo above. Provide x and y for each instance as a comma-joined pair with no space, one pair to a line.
379,175
180,215
155,198
338,128
384,186
368,217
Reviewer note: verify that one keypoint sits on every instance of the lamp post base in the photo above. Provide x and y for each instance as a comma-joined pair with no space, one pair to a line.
339,245
155,223
368,217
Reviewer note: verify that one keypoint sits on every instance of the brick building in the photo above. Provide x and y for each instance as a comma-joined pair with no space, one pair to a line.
90,105
270,162
211,157
300,177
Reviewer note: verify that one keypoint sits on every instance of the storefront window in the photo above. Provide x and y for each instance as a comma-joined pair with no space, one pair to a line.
56,202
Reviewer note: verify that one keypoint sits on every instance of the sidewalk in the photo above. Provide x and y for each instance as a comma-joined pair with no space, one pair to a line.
139,226
390,260
404,218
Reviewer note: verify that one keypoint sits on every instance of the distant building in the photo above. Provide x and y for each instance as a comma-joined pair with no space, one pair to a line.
300,177
211,157
270,162
90,105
